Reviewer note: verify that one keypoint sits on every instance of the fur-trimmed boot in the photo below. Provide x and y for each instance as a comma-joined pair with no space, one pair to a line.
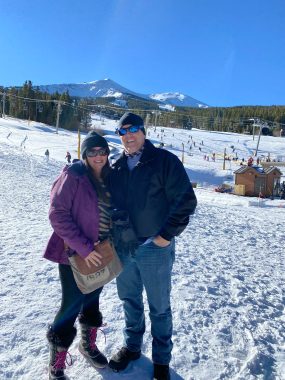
58,352
87,344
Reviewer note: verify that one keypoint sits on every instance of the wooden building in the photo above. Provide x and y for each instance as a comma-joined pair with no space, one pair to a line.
255,180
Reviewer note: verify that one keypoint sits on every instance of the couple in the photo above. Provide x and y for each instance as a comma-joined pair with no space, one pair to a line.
151,186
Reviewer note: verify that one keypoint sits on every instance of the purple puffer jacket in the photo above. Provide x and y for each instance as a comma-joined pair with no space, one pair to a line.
73,214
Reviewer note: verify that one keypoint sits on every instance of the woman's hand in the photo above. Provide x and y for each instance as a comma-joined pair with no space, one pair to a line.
93,258
160,241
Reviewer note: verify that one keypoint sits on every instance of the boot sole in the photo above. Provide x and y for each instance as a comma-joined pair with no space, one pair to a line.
59,378
122,369
91,361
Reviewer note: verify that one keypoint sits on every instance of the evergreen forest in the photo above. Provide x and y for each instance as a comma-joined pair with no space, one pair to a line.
28,102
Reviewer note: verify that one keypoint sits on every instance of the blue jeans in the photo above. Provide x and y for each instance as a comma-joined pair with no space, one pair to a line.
150,267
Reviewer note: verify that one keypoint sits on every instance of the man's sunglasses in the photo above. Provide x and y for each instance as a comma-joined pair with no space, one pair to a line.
95,153
131,129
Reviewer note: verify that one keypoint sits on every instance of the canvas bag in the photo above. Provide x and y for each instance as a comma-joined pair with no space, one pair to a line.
90,279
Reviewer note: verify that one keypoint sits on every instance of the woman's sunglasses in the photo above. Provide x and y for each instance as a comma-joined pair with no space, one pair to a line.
95,153
131,129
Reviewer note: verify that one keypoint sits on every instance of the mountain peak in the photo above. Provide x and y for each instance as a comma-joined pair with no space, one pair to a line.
108,88
177,99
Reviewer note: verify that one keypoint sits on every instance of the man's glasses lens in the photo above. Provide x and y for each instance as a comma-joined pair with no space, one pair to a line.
94,153
131,129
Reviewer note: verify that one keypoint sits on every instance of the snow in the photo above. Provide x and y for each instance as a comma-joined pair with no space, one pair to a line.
113,93
177,99
107,87
228,279
168,95
167,107
97,88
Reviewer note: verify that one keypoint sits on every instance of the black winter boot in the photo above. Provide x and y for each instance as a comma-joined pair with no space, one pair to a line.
161,372
122,359
58,352
87,345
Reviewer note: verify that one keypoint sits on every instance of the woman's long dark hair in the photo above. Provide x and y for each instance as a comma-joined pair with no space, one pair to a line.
100,190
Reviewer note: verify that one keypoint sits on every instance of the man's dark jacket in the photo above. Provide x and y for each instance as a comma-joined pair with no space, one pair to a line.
157,193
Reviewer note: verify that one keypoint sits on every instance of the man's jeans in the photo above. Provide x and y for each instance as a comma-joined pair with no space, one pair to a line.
150,267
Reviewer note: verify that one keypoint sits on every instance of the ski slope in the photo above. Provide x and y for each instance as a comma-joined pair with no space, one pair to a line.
228,293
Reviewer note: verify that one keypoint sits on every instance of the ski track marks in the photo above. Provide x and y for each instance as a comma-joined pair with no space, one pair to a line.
232,283
227,299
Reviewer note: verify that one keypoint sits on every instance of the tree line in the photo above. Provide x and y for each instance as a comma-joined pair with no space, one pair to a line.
226,119
28,102
233,119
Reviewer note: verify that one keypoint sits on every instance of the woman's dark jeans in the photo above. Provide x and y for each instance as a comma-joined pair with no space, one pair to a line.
74,302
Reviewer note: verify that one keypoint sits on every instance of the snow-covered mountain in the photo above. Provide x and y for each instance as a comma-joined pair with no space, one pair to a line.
94,89
109,88
178,99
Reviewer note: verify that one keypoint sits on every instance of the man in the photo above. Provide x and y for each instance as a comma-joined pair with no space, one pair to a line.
152,186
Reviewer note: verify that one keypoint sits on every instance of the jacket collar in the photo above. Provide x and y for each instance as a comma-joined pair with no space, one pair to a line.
147,155
148,152
78,168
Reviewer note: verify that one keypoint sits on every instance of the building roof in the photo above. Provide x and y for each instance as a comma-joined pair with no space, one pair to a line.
258,169
245,168
271,169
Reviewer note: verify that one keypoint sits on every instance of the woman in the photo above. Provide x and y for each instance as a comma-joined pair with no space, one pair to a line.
79,215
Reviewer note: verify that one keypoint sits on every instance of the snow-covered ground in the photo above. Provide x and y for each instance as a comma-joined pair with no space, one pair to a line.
228,292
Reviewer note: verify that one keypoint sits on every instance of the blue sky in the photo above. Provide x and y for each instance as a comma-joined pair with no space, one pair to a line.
221,52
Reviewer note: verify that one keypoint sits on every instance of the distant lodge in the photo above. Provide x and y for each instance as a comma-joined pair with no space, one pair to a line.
257,181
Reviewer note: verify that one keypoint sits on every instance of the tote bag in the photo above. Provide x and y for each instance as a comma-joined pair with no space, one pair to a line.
91,278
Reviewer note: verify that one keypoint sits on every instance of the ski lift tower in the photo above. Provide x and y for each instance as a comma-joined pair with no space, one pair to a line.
58,112
254,124
263,130
146,124
3,104
156,114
